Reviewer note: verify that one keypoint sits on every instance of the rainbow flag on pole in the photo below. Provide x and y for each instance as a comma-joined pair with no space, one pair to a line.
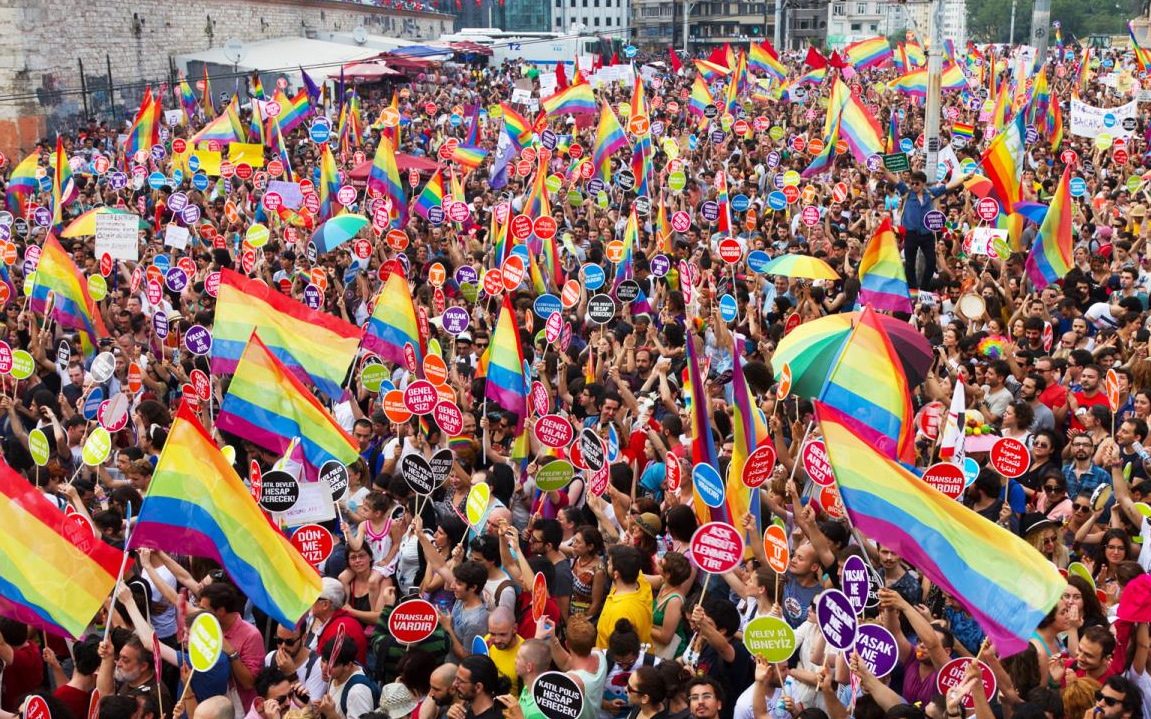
519,130
225,129
63,186
857,126
431,196
268,406
329,184
197,504
609,138
882,280
762,57
574,100
314,345
1006,585
385,177
749,431
1050,257
23,185
392,330
54,574
505,383
873,52
145,130
1002,163
867,384
72,306
468,157
702,442
700,97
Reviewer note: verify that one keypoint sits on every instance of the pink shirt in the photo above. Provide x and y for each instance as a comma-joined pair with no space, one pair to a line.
246,640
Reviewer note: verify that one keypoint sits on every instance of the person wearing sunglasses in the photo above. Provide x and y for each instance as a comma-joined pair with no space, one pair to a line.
273,694
291,655
1117,699
1053,502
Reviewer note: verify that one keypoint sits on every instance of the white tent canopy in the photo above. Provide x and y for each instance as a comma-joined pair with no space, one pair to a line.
273,59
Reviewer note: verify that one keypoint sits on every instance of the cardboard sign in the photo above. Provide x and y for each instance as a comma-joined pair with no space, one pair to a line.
117,234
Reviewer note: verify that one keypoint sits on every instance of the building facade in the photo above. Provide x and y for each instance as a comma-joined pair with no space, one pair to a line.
806,23
918,20
510,15
659,23
604,17
851,20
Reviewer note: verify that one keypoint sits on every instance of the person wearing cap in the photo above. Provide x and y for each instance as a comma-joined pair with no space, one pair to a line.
396,701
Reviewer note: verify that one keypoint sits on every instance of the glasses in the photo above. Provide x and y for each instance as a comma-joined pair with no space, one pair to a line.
277,641
632,690
1081,508
1052,488
1109,701
481,344
1040,445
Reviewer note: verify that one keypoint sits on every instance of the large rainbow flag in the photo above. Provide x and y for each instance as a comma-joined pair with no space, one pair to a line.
72,306
1002,163
385,177
574,100
197,504
609,138
316,346
22,185
392,329
1006,585
506,385
54,574
872,52
749,431
267,405
868,385
857,126
1050,257
145,131
702,442
882,280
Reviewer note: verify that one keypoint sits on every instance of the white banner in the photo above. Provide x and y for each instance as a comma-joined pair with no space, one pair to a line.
1090,121
118,234
176,236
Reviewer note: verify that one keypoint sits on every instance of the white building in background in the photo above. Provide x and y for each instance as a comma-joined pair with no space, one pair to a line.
917,17
609,17
851,20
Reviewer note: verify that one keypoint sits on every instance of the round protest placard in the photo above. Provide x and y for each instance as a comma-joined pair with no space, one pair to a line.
1010,457
313,542
708,484
335,475
477,504
592,449
553,430
417,473
946,478
877,649
279,491
951,675
717,547
775,546
836,618
205,640
771,638
759,465
854,580
539,595
816,464
557,696
413,621
554,475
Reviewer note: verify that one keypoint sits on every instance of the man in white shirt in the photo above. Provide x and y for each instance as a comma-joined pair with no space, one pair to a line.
351,694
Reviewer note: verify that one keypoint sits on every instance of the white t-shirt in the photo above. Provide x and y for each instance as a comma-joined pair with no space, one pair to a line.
309,674
359,698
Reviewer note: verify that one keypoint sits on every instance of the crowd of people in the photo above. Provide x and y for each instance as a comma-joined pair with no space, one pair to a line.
629,616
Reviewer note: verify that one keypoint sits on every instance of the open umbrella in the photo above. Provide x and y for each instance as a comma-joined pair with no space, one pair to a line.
804,266
337,231
85,224
811,348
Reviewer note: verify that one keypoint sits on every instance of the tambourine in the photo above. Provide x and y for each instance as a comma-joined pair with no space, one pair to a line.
971,306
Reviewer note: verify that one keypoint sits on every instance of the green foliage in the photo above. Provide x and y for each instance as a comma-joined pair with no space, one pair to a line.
990,20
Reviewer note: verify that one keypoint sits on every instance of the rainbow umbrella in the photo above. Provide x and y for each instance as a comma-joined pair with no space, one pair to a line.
337,231
85,224
803,266
812,347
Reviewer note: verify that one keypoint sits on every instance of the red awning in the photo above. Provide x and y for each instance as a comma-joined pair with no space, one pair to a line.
470,48
406,63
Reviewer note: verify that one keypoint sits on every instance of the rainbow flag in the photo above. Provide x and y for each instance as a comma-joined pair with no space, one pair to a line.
63,186
506,385
197,504
316,346
1050,257
624,269
498,237
883,283
351,126
1006,585
225,129
761,58
1002,163
574,100
519,130
1142,57
145,130
431,196
609,138
814,76
256,87
468,157
256,132
641,159
710,71
822,161
209,104
912,83
857,126
23,185
393,329
292,111
722,199
187,100
1053,124
702,442
868,385
282,151
1083,76
873,52
915,54
268,406
72,306
749,431
962,129
1039,97
700,97
385,177
953,78
663,228
53,575
329,183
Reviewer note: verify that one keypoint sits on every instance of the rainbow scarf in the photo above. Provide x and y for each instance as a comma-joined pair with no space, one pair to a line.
883,283
1006,585
316,346
54,578
267,405
385,178
1050,257
72,306
505,383
197,504
867,383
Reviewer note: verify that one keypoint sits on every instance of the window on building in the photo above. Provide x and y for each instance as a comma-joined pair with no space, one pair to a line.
855,27
597,20
860,8
838,9
803,24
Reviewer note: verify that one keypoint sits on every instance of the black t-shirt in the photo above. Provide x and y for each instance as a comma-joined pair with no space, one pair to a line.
737,673
496,711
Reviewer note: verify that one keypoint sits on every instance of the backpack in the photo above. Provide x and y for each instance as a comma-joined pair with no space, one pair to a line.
359,680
